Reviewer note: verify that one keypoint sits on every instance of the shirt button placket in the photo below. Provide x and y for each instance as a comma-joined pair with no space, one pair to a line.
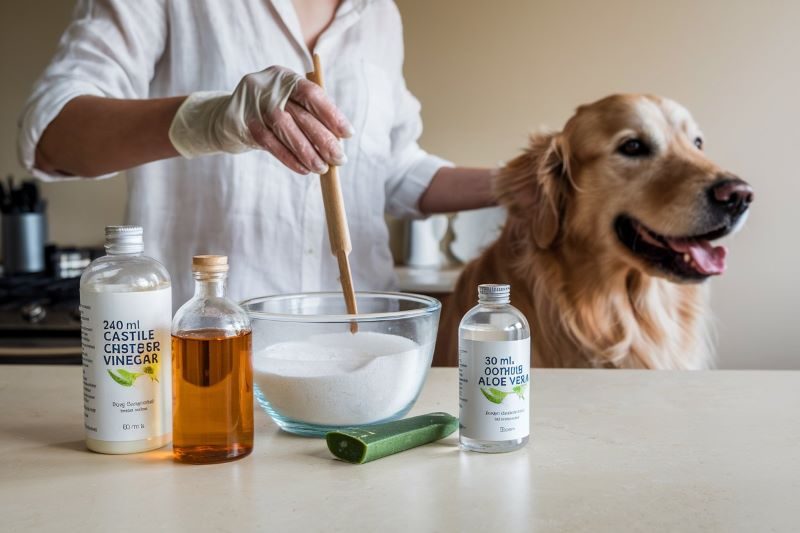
313,227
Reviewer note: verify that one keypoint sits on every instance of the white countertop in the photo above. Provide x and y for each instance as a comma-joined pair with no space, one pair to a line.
427,280
611,450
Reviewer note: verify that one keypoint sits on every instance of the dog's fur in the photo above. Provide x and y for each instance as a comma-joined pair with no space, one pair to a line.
590,301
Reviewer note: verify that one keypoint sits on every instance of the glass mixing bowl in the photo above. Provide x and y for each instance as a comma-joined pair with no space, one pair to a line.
312,374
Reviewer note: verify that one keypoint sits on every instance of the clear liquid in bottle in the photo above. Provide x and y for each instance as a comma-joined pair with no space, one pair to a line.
494,374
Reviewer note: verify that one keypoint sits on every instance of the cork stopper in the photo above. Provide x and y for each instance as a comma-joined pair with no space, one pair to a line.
210,263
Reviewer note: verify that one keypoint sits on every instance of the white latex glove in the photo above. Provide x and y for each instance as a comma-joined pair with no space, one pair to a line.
276,110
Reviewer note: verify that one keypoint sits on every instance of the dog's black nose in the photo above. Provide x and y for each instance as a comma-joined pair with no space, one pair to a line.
733,195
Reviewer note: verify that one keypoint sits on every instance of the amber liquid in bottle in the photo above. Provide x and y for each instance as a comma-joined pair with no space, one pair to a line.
212,396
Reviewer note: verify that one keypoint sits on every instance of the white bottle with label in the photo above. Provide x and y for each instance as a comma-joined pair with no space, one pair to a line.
494,355
126,317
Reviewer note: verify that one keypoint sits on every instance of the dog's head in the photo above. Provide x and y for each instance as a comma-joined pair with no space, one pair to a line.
628,177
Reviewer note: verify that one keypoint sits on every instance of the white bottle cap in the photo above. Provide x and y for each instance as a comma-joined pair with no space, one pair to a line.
124,239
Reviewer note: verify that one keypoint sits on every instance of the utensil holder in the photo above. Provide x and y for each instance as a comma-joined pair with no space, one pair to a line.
23,236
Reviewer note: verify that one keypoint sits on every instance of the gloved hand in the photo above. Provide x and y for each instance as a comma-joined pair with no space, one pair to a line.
276,110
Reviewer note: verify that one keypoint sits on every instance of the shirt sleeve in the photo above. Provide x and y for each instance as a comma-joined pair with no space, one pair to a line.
110,49
413,168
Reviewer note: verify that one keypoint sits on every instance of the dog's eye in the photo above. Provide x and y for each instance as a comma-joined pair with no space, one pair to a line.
634,148
699,143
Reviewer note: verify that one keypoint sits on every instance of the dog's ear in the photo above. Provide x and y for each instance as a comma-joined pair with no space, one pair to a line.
534,185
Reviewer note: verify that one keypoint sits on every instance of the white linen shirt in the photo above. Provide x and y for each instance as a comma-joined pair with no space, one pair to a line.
269,220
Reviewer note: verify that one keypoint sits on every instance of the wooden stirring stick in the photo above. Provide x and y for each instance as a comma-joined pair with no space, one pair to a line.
338,232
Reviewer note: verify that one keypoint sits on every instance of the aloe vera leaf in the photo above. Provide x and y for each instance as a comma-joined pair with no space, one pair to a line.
520,390
119,379
366,443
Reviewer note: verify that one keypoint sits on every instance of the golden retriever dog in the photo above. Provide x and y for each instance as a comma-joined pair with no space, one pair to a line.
609,238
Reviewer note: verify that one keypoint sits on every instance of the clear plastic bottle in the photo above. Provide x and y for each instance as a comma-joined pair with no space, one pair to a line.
126,311
212,371
494,343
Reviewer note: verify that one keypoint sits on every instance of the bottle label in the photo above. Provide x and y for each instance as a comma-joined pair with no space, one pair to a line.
127,378
494,389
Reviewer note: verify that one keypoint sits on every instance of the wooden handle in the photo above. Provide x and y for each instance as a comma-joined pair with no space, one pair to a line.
335,215
338,231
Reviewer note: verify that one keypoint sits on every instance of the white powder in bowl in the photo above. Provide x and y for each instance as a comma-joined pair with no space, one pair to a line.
341,379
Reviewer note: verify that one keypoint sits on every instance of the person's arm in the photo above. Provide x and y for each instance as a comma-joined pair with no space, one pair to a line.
419,183
90,112
93,135
458,189
275,110
105,60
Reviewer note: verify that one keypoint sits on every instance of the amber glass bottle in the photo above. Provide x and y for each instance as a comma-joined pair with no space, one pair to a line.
212,372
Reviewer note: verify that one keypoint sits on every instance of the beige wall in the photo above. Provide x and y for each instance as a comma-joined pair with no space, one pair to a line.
489,72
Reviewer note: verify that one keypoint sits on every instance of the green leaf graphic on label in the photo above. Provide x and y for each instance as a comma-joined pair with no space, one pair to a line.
494,395
497,395
129,375
125,382
125,378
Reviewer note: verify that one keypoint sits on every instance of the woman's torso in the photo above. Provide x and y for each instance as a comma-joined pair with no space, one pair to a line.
269,220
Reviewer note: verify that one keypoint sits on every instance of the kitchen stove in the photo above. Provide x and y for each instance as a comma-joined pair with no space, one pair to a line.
39,314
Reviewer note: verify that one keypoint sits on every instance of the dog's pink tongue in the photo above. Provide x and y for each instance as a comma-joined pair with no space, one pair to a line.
710,260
